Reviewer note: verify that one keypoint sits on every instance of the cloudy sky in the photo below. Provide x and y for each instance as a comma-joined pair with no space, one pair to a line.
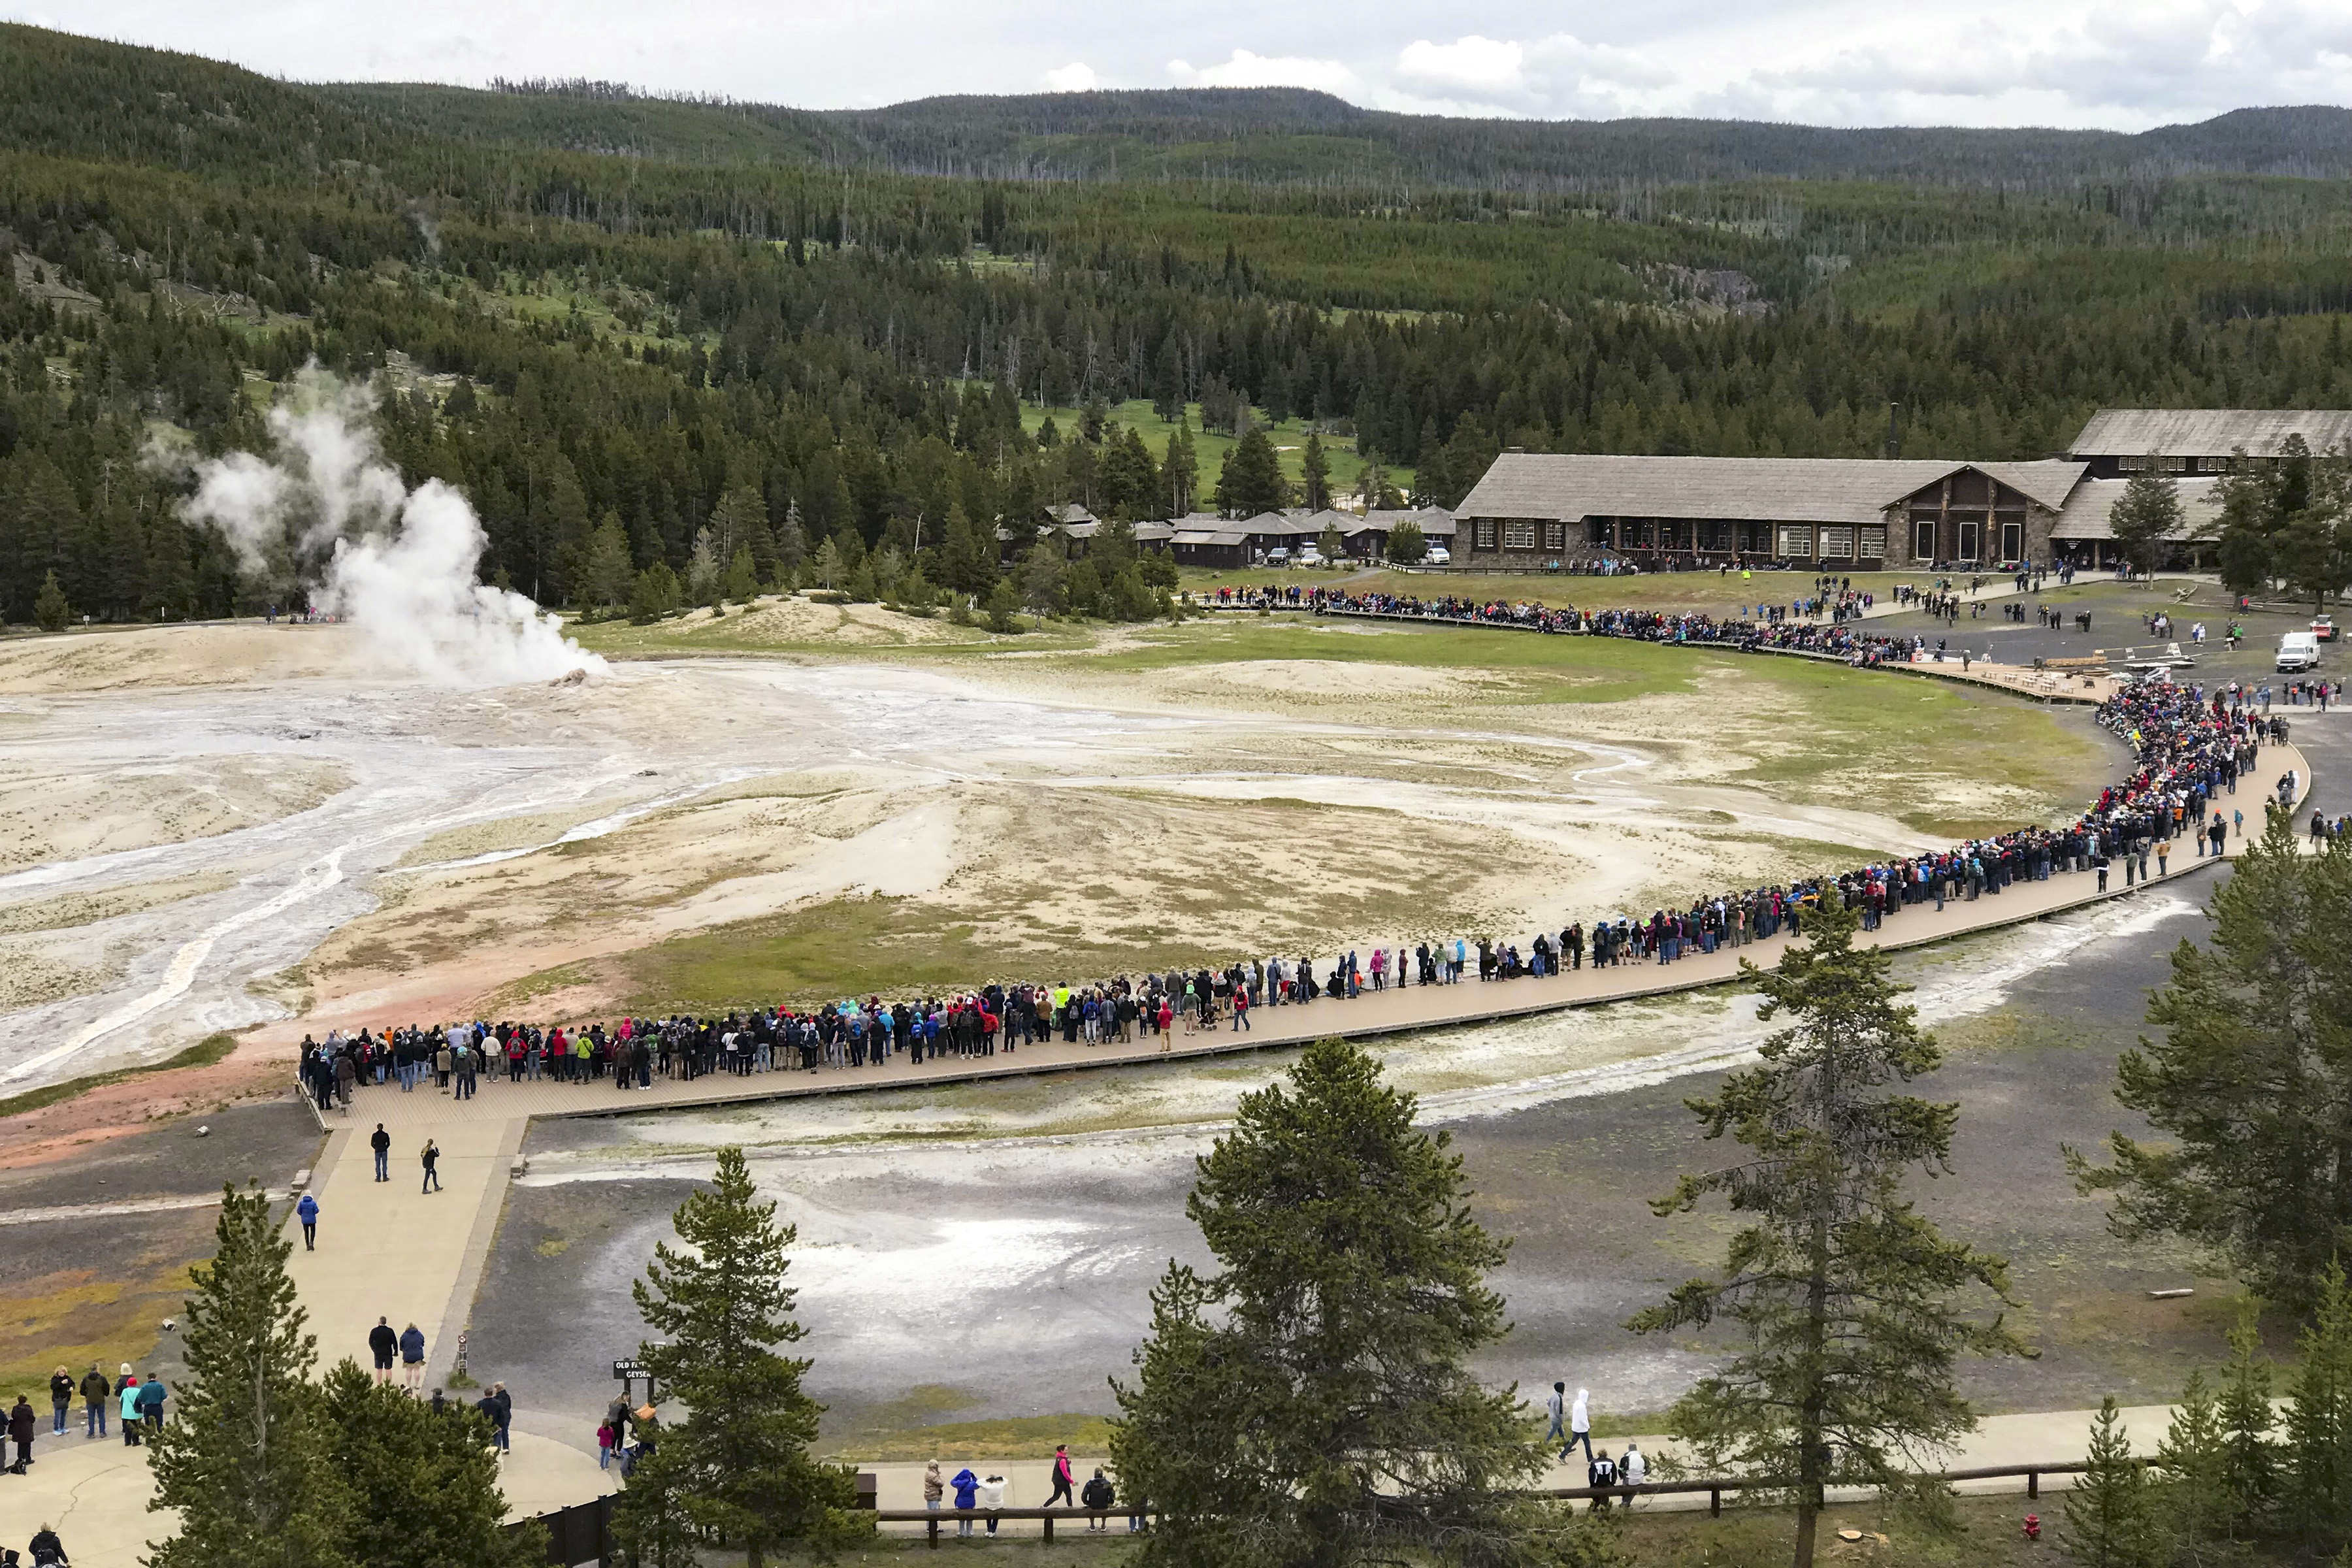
2124,64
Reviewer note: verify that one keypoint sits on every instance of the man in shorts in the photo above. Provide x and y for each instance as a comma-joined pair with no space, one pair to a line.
384,1344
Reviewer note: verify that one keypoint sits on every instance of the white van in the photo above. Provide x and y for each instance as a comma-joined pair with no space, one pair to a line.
2297,651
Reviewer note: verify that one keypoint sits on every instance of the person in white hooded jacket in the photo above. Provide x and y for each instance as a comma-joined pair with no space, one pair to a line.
1580,1426
992,1497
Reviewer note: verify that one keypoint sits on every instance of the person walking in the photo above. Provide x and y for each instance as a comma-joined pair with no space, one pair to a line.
1063,1495
152,1393
1580,1426
127,1408
97,1394
307,1211
502,1415
384,1344
61,1393
1556,1408
430,1155
411,1357
381,1142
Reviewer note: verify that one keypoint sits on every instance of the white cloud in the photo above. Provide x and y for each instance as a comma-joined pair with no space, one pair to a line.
1246,69
1076,77
1482,65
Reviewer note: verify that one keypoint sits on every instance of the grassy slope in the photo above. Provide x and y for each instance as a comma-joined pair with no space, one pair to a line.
1209,448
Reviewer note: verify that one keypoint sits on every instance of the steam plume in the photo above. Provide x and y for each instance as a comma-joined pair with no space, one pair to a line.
324,512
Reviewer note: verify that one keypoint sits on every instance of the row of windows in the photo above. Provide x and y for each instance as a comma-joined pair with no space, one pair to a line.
2167,465
1521,535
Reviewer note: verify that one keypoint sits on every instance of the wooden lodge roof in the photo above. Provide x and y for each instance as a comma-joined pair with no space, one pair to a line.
1570,487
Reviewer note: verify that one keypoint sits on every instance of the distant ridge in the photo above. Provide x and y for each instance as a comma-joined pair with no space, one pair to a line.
1283,134
65,94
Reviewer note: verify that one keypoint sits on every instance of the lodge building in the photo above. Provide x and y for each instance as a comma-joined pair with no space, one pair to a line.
1539,512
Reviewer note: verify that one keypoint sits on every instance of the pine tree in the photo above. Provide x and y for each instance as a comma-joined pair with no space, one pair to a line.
1407,544
1315,468
1181,470
792,546
1843,1296
606,578
828,565
169,581
2144,517
656,593
2251,1471
123,563
2110,1515
704,570
424,1488
1252,481
2315,1487
740,515
245,1463
1004,605
739,1463
1312,1402
51,611
1040,580
2252,1078
2198,1511
742,577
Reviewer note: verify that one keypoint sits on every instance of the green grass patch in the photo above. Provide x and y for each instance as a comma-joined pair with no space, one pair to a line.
847,947
204,1053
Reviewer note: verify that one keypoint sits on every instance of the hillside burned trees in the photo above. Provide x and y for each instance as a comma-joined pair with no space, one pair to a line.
1840,1298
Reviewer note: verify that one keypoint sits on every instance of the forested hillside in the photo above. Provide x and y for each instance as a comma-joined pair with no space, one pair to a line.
781,339
1282,135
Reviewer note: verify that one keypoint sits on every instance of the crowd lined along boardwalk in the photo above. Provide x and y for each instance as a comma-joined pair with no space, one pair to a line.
2202,766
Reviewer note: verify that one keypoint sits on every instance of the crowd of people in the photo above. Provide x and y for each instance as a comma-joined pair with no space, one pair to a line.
2190,751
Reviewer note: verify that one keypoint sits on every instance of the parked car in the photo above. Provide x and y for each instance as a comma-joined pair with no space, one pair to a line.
1438,555
1309,556
2297,651
2324,627
1278,557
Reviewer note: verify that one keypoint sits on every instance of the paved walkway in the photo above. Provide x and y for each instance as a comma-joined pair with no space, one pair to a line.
94,1491
1373,1014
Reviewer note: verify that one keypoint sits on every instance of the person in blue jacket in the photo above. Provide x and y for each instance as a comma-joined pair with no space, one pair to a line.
307,1211
967,1492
